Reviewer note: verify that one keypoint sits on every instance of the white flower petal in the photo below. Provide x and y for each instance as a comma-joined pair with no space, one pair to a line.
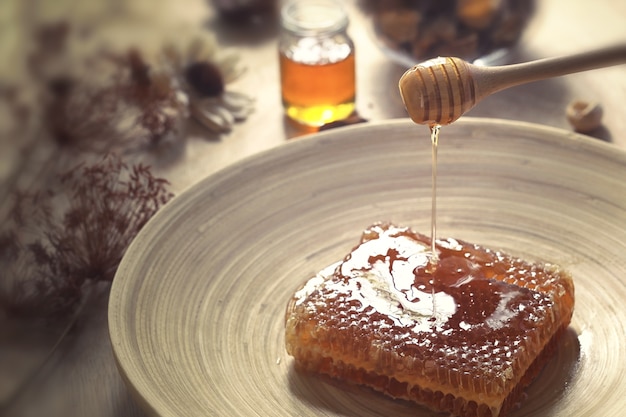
210,119
240,105
223,112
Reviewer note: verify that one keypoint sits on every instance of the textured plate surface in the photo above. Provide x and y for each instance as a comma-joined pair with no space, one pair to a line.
197,307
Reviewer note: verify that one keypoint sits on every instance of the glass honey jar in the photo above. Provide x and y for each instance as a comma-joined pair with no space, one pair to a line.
317,62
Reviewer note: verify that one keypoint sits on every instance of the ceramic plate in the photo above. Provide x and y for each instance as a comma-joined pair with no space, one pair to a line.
197,307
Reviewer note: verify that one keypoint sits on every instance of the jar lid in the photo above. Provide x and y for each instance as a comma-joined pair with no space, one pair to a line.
314,17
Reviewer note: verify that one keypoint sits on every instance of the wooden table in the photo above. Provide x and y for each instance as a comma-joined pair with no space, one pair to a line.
81,379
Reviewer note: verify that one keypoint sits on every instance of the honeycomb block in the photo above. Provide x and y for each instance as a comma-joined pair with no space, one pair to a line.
462,332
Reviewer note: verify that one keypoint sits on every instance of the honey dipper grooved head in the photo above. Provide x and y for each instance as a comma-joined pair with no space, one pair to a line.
438,91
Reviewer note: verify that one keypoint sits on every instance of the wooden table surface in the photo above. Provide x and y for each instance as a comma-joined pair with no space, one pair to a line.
81,379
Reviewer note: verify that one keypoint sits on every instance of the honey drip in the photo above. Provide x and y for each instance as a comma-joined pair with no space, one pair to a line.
434,139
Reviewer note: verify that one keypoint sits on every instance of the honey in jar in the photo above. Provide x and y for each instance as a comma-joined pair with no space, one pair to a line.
317,62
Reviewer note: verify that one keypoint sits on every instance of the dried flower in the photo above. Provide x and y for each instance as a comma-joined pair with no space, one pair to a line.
147,99
55,242
203,75
136,109
85,79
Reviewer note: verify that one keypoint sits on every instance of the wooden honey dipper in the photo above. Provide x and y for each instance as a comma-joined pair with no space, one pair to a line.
440,90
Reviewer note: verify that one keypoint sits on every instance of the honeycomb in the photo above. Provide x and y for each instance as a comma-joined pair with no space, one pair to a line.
461,332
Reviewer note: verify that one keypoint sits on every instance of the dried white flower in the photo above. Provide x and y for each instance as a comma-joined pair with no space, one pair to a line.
203,74
87,47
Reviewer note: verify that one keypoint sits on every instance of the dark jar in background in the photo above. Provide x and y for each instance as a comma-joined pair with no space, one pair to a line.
243,11
479,31
317,62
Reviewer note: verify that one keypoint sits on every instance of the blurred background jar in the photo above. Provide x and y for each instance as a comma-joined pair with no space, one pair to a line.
244,11
317,62
480,31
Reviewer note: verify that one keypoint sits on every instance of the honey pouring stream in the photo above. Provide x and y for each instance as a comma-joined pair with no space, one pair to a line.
434,259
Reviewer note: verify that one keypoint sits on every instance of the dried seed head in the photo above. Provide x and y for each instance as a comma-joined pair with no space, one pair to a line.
584,116
55,242
205,78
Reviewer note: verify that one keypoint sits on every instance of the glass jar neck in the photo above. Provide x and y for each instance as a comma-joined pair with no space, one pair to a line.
314,17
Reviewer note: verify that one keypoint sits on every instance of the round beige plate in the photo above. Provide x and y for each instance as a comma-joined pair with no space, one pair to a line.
196,309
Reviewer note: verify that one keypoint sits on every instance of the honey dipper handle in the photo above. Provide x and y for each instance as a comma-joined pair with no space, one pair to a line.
492,79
